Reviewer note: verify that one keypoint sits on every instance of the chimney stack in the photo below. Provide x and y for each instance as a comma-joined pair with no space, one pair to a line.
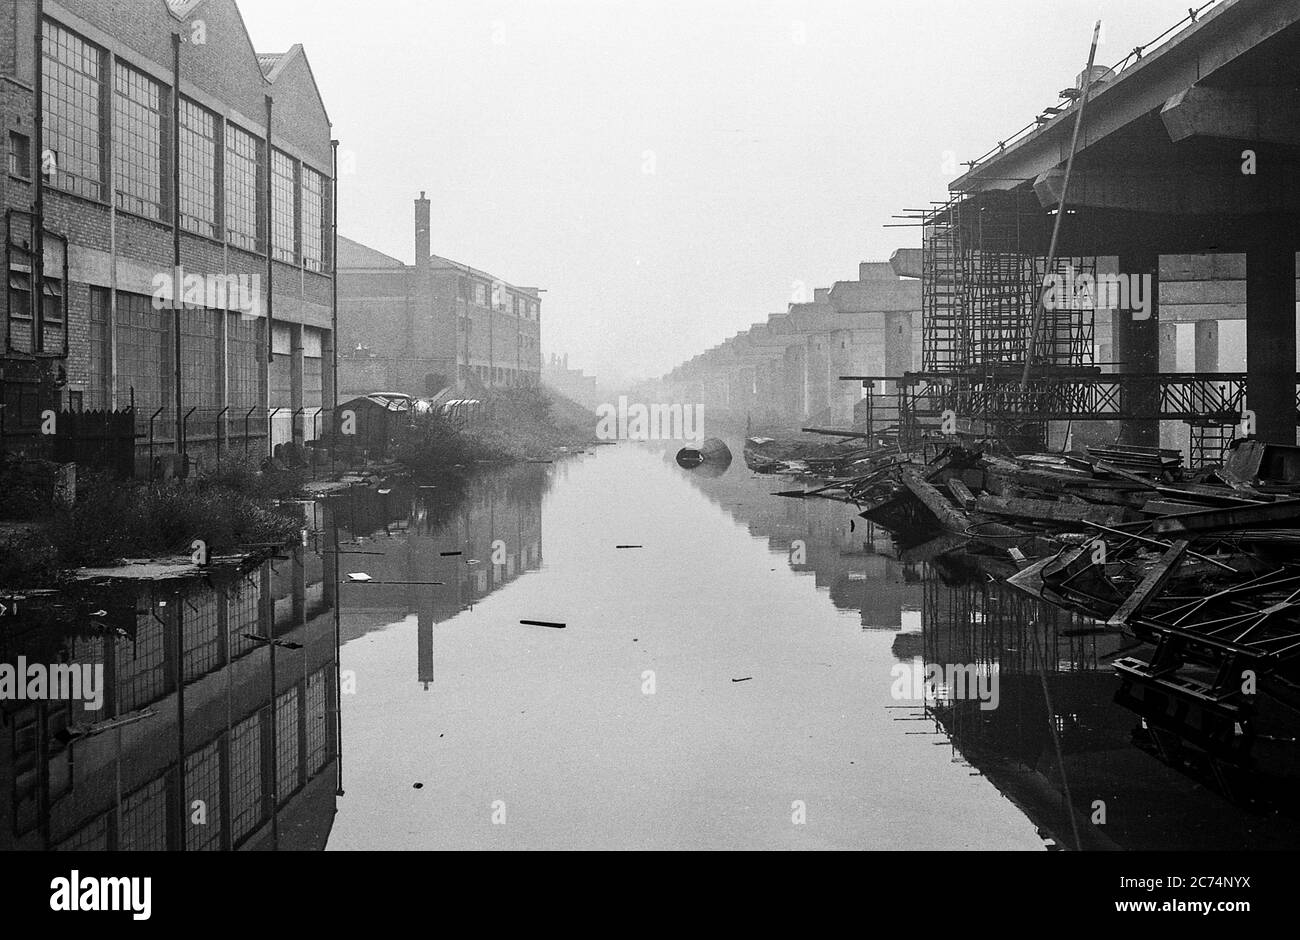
423,246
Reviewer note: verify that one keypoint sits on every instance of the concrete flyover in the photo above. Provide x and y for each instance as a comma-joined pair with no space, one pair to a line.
786,369
1190,151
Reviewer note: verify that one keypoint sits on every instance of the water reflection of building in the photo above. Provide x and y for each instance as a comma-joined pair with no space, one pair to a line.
848,558
1059,746
238,746
435,553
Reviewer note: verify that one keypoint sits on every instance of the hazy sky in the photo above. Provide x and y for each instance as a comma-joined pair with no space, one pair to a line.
670,171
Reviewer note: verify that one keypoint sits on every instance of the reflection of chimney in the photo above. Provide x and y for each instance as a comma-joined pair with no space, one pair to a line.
424,645
423,246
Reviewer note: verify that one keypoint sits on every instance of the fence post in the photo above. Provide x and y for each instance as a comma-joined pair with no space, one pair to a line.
185,441
152,419
221,427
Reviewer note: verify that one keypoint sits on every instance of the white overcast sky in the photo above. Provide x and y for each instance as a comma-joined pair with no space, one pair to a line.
669,169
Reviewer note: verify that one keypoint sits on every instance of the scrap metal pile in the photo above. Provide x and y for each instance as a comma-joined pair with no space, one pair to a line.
1204,566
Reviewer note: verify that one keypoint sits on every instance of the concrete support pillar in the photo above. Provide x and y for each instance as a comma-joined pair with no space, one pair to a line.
1137,352
796,379
1207,346
843,395
898,343
1270,340
819,367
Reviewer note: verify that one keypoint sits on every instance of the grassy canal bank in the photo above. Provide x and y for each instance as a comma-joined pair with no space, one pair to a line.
43,539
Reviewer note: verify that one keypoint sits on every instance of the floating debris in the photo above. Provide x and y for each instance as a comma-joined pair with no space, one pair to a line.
543,623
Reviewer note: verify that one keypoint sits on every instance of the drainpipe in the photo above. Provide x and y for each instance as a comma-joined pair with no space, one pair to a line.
177,284
334,312
270,273
38,223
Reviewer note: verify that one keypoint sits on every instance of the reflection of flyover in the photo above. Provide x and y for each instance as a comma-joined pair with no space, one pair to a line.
1057,743
474,541
263,763
846,557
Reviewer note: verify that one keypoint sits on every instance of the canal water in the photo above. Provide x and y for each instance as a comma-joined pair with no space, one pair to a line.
735,671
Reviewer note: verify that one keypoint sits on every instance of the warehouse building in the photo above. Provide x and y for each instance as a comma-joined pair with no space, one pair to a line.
165,211
438,324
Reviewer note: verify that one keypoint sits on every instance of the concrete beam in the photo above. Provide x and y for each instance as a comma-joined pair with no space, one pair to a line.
906,262
1257,115
1225,34
1171,190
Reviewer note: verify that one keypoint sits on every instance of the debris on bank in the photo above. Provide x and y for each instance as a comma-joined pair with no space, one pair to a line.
1202,565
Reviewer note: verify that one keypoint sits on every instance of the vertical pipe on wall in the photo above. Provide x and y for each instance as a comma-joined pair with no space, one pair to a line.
270,273
177,277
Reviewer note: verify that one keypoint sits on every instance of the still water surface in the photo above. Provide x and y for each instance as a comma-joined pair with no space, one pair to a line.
729,682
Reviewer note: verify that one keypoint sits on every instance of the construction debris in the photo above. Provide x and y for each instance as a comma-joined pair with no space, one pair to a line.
1203,566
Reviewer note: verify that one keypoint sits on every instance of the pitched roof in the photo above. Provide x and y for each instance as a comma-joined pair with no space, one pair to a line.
353,254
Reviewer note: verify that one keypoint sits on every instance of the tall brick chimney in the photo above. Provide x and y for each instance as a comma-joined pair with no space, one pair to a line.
423,246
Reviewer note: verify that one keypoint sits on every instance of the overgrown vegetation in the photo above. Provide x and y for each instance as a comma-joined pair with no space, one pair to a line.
112,519
525,424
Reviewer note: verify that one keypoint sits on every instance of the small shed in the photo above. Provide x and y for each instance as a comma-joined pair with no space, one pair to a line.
373,420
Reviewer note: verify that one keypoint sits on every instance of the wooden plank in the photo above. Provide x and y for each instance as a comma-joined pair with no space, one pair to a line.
832,432
1113,470
1043,510
1151,584
949,516
962,493
1223,520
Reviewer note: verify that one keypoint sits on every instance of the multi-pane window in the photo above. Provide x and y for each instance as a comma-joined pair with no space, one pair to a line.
72,71
283,185
144,341
242,153
22,326
201,359
313,218
99,365
20,155
198,169
480,293
246,351
137,120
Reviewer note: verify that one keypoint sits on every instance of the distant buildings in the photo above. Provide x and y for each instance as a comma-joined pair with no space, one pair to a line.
418,329
573,384
788,368
133,164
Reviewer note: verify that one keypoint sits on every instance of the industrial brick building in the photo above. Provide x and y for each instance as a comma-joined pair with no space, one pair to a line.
418,329
151,152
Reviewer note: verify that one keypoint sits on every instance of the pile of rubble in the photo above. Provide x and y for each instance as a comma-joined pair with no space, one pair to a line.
1204,565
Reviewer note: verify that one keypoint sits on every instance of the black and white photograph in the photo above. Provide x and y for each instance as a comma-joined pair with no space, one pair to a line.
638,426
